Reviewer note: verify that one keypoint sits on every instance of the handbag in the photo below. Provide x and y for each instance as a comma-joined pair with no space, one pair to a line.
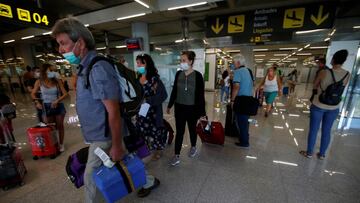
246,105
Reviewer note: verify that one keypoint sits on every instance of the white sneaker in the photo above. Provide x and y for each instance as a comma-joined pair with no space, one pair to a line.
192,152
62,148
175,160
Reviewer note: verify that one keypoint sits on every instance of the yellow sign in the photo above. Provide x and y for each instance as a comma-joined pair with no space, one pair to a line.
24,15
257,39
294,18
5,10
217,28
320,18
236,24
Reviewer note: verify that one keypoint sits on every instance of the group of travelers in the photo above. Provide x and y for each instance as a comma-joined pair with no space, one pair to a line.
98,95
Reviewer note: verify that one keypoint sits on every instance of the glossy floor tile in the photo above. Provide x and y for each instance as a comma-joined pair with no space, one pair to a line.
271,170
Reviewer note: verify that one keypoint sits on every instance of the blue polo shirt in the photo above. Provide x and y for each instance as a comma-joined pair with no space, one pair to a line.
243,78
90,108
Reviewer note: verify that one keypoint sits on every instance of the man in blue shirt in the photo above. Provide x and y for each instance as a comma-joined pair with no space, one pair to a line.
97,103
242,86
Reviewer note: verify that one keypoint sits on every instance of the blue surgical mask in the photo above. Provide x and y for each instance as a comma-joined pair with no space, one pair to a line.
141,70
51,74
71,57
184,66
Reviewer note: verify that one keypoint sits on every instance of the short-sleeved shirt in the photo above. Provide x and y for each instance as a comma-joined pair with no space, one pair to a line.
243,78
104,85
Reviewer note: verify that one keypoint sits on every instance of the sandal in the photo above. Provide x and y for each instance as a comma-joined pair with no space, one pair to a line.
305,154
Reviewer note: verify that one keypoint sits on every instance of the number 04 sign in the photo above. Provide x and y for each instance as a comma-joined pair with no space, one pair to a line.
26,15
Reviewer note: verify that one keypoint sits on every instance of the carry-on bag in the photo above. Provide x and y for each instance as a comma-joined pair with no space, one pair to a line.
44,141
210,132
75,166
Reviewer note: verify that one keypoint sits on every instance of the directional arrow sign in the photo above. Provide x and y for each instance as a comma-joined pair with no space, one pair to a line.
320,18
217,27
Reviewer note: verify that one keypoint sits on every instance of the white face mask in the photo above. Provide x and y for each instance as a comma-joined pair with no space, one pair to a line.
184,66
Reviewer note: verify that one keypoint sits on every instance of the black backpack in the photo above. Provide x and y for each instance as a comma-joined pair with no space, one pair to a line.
132,91
332,95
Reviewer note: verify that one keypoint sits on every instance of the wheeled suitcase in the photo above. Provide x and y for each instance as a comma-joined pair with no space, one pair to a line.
285,91
12,168
75,166
259,95
213,134
43,141
230,125
125,177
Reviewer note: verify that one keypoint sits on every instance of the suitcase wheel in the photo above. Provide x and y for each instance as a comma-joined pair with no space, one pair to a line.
35,157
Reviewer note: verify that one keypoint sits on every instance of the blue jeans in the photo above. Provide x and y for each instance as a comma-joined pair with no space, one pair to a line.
326,118
226,90
243,127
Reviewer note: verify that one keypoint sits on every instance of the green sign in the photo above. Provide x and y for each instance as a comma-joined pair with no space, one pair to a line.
206,74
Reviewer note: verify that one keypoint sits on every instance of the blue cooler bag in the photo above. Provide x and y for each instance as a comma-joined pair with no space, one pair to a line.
123,178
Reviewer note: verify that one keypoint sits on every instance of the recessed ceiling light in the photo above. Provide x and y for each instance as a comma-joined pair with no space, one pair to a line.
288,48
9,41
327,39
333,32
300,49
304,54
308,31
28,37
306,46
292,59
280,54
356,27
46,33
101,48
275,59
187,5
131,16
320,47
120,46
142,3
87,25
259,55
260,49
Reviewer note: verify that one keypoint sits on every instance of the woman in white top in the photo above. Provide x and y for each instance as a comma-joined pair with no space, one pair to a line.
272,88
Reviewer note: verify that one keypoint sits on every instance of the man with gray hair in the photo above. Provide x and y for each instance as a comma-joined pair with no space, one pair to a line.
97,103
242,86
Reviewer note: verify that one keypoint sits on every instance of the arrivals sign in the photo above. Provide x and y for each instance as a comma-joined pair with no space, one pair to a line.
25,15
252,25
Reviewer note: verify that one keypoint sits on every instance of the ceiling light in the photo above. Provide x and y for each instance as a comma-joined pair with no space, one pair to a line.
280,54
131,16
87,25
287,61
260,49
327,39
320,47
101,48
308,31
205,42
306,46
293,53
187,5
300,49
288,48
333,32
38,56
179,40
292,59
260,55
9,41
304,54
120,47
274,59
142,3
232,51
28,37
158,48
356,27
47,33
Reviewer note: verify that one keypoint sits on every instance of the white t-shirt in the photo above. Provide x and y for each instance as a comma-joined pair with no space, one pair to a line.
227,81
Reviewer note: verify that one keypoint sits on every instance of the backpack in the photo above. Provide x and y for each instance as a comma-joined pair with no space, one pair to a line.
75,166
132,92
332,95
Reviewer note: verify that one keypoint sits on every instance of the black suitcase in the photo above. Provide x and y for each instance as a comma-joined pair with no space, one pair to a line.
12,168
230,127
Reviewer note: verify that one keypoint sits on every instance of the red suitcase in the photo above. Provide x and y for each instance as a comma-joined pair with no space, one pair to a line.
43,141
12,168
215,135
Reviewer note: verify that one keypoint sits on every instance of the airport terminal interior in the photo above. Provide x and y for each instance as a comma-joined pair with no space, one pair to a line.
294,35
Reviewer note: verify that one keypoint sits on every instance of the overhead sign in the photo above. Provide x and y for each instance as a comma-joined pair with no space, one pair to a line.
272,20
24,15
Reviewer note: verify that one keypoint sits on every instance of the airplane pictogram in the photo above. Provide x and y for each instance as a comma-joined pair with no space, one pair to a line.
293,16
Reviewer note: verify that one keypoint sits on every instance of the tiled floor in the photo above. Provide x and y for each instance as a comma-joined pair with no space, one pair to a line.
217,174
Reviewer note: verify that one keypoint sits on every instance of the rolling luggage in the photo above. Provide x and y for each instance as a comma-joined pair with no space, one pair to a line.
123,178
285,91
259,95
43,141
12,168
75,166
230,125
212,132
